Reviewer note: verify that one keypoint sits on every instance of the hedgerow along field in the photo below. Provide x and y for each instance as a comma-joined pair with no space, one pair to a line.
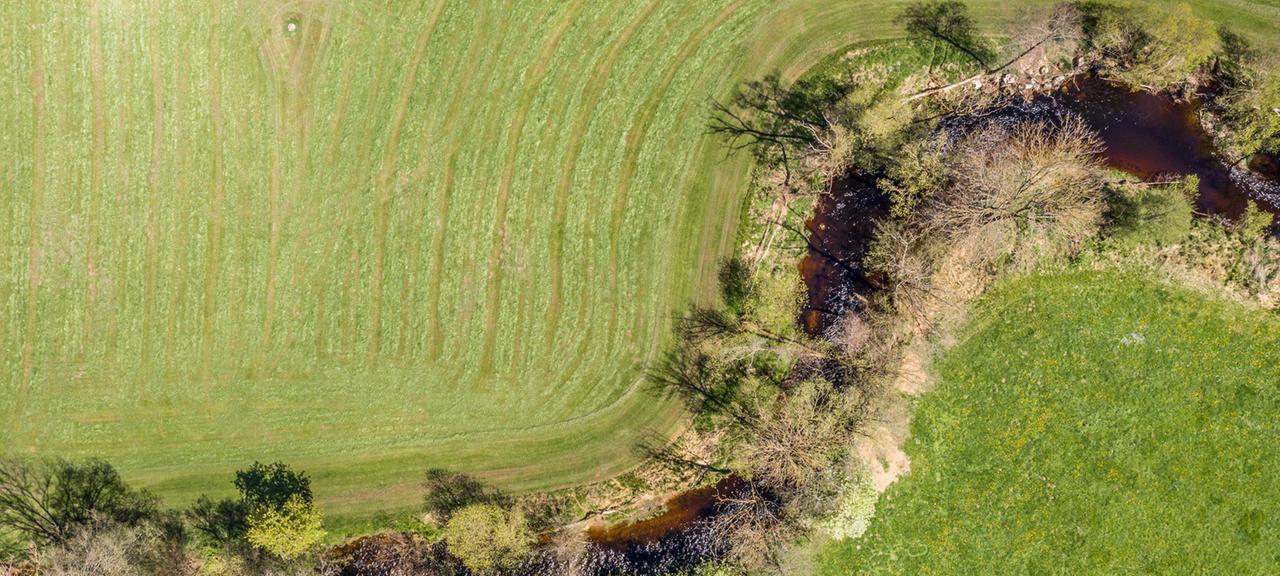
1090,423
370,238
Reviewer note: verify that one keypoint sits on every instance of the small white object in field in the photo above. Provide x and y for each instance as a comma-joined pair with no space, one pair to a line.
1133,339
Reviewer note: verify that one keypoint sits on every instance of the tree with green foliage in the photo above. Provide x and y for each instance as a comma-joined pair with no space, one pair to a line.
1151,214
286,531
1254,112
1151,46
272,485
49,501
264,488
488,538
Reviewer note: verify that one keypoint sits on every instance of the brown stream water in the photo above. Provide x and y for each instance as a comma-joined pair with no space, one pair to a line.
674,540
1149,136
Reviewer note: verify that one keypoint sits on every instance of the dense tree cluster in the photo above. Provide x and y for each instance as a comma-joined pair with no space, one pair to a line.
969,202
1148,45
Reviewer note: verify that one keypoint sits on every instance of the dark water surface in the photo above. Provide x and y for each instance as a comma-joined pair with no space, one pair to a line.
675,540
840,234
1149,136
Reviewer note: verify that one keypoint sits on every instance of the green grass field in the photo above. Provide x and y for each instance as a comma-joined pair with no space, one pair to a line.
1090,423
370,238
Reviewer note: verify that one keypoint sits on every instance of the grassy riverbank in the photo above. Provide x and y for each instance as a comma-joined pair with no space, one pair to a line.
1090,423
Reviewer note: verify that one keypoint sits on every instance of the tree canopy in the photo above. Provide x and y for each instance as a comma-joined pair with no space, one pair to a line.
288,531
488,538
50,500
272,485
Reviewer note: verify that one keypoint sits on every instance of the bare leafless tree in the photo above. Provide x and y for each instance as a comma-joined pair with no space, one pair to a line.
947,22
757,528
1021,190
1052,34
763,114
689,374
902,255
113,549
50,500
1032,176
783,125
808,431
1048,33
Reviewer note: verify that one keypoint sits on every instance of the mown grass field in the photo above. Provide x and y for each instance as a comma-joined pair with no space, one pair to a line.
370,238
1090,423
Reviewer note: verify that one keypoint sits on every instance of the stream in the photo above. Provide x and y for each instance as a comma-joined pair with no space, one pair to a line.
1148,136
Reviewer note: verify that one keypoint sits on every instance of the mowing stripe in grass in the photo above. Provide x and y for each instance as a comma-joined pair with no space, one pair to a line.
95,177
216,193
591,97
631,158
37,196
385,174
494,274
153,188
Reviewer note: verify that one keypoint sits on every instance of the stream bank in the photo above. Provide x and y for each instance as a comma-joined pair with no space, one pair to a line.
1152,137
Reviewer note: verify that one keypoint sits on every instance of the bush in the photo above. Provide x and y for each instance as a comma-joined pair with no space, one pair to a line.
1148,45
1256,222
779,298
288,531
272,485
487,538
1153,215
111,549
920,170
853,510
51,501
1254,115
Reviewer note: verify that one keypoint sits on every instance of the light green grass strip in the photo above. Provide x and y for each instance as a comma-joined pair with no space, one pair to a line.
1090,423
